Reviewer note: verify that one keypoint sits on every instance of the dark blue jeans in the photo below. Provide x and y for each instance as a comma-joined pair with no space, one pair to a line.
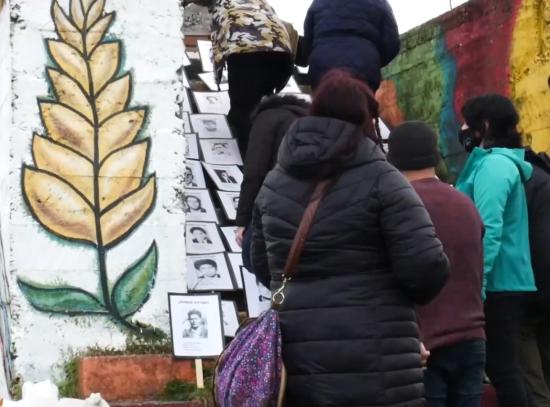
454,375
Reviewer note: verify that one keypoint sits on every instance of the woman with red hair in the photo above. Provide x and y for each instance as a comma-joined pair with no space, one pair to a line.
348,322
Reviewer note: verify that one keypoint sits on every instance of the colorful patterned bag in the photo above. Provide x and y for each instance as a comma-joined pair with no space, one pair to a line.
250,371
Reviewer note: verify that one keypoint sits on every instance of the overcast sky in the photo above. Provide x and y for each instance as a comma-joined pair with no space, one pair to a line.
409,13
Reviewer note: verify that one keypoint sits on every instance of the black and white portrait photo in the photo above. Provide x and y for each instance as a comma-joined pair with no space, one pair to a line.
211,126
208,272
236,263
226,177
205,52
230,318
210,80
191,146
229,236
212,102
196,20
258,297
193,176
202,238
197,205
230,203
196,324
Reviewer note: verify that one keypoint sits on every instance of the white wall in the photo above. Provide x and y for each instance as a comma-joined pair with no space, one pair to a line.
153,52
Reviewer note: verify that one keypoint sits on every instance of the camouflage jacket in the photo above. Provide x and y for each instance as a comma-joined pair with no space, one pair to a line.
241,26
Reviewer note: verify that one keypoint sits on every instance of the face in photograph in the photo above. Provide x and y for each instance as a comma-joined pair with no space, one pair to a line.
213,100
220,149
206,269
199,235
195,325
235,201
210,125
189,178
224,177
193,204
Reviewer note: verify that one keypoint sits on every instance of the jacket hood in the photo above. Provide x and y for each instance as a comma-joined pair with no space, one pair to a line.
287,102
516,155
540,160
313,148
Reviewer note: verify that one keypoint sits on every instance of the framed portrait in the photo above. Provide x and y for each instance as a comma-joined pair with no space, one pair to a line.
196,325
226,177
230,318
203,238
187,123
230,203
191,146
221,151
196,20
205,52
229,236
186,103
209,80
193,177
236,262
212,102
258,297
208,272
210,126
198,206
291,86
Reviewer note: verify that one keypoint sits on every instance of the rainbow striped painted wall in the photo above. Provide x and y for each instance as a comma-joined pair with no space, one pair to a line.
500,46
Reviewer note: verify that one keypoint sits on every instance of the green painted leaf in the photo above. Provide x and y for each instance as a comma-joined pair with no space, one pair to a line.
133,288
61,300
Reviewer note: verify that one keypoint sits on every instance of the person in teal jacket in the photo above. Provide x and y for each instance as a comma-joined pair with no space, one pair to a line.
494,178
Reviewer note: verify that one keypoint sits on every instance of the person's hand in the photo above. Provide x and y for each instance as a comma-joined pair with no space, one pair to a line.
389,110
239,235
424,354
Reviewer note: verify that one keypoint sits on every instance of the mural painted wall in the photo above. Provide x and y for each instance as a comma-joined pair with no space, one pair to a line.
95,225
483,46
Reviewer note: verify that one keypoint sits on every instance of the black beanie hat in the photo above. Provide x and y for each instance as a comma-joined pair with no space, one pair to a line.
413,146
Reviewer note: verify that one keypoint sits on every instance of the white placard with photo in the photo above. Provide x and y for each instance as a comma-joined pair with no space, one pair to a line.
186,60
198,206
230,203
236,262
221,151
258,297
208,272
209,78
191,146
229,235
185,80
205,51
291,86
193,177
226,177
211,125
230,318
187,123
302,96
212,102
202,238
186,103
196,324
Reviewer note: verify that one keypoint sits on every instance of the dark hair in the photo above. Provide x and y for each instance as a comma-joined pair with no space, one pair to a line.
501,117
342,96
194,312
194,228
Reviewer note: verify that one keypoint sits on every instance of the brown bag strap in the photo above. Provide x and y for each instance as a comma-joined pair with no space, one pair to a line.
305,225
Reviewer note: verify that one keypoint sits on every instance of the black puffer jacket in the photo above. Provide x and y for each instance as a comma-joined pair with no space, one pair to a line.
350,336
538,201
270,122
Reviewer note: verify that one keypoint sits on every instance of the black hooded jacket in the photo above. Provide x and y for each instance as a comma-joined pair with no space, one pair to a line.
538,202
349,330
270,121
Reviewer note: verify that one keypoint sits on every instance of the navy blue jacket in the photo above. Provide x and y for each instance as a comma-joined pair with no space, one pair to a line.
360,35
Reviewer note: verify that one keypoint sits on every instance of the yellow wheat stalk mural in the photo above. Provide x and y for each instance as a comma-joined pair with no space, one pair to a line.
88,182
